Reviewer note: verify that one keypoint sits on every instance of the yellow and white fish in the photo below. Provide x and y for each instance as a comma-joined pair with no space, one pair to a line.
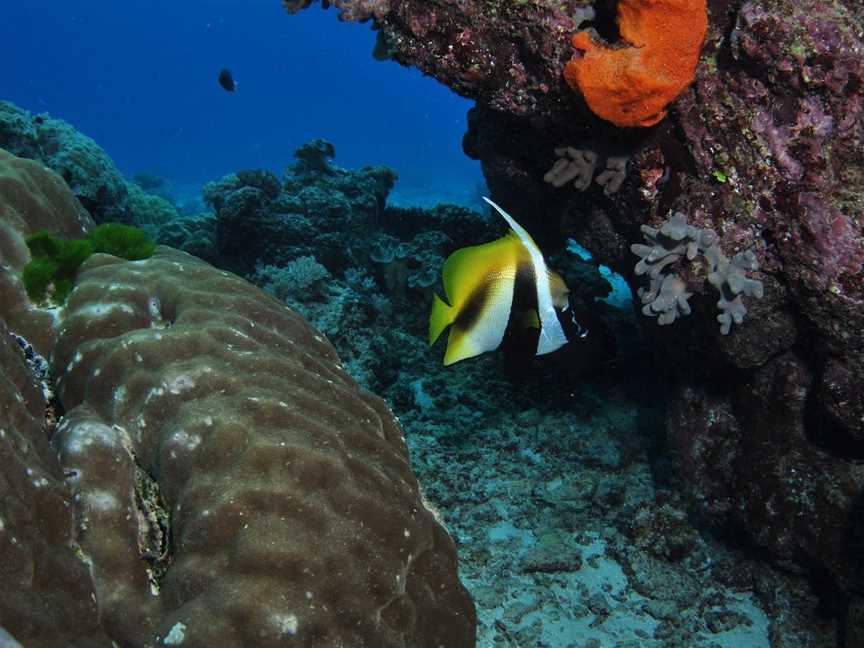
489,285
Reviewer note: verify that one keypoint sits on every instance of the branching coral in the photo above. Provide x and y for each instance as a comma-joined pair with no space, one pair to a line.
631,86
668,293
301,277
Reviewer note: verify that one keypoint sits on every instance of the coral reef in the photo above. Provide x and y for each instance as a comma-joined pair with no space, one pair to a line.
182,413
557,546
317,210
570,523
149,211
33,199
367,256
194,233
152,184
765,149
47,597
298,281
196,408
507,55
86,168
633,85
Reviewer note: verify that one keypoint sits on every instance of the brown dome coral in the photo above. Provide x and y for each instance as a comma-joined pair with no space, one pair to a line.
233,485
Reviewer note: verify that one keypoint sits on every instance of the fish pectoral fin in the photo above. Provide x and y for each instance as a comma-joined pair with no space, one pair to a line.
440,318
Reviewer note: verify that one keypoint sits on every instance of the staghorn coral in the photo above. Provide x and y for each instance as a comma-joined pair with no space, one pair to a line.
633,85
667,295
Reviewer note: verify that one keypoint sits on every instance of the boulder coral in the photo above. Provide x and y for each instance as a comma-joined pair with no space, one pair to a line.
229,483
47,598
633,85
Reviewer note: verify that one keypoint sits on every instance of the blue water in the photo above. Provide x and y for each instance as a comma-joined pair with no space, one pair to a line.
139,76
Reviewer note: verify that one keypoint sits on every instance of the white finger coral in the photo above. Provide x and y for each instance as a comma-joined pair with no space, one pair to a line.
667,295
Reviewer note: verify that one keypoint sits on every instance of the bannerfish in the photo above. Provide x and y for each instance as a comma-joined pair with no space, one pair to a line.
226,80
496,285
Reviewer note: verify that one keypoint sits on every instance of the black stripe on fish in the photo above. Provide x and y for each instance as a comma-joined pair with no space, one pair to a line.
524,295
473,309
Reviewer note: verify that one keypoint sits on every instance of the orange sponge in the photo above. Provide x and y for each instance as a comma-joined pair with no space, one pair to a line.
632,85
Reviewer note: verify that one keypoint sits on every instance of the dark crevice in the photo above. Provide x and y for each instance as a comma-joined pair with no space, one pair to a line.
604,21
829,434
154,525
41,370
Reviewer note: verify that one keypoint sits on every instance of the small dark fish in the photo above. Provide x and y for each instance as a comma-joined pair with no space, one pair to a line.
226,80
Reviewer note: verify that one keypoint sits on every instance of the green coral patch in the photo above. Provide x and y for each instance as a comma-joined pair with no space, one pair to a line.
37,275
122,241
55,261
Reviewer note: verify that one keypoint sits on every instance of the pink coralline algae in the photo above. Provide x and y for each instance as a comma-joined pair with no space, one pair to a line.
835,235
778,138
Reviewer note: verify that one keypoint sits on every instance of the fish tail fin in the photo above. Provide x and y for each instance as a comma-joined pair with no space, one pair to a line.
440,318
